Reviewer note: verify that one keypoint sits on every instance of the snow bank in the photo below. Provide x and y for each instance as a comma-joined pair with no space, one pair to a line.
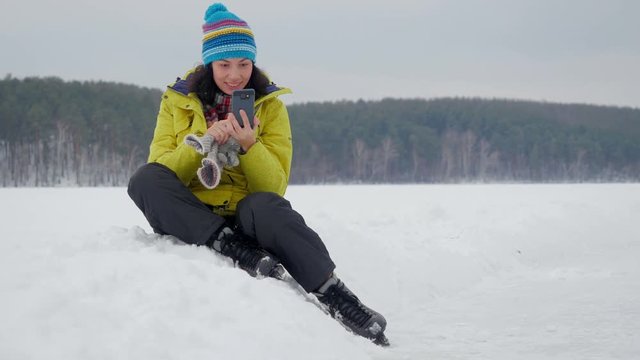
482,272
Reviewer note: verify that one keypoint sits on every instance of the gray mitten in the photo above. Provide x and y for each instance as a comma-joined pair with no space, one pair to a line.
218,156
228,153
210,171
200,144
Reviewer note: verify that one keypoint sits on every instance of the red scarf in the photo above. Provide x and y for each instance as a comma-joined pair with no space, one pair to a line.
219,110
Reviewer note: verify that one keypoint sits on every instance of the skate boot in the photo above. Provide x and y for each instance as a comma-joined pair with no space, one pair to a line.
247,255
347,309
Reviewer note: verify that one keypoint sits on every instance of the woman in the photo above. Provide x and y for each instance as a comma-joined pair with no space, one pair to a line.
245,216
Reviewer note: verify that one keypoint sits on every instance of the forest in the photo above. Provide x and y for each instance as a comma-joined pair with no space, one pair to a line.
71,133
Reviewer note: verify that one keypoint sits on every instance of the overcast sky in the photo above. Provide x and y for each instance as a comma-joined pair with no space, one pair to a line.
585,51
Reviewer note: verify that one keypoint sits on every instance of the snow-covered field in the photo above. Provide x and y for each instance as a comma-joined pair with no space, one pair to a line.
460,272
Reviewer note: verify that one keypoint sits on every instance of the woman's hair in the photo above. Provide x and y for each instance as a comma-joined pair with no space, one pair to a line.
201,82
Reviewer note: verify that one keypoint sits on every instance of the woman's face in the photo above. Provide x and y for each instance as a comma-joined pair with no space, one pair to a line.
232,74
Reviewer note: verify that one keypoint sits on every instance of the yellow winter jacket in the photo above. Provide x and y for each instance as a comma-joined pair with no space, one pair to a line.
265,167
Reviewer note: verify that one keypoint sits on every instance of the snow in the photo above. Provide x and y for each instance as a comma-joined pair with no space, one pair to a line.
459,271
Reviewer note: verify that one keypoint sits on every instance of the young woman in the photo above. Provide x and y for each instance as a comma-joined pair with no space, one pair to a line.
245,216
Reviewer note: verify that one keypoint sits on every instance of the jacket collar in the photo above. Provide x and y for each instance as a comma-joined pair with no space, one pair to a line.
181,86
273,91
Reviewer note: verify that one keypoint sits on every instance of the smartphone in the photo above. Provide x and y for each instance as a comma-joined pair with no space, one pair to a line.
243,100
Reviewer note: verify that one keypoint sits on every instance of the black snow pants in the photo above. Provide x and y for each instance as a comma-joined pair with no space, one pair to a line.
267,218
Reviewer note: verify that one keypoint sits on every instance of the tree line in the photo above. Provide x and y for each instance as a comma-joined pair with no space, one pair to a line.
464,139
54,132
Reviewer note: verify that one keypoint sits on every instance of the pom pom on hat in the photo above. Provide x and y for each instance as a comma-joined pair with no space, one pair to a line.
226,36
215,8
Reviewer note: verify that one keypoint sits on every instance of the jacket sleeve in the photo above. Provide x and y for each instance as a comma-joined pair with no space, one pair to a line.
165,150
267,164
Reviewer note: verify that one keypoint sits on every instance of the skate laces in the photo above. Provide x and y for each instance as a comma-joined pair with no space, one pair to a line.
341,300
247,255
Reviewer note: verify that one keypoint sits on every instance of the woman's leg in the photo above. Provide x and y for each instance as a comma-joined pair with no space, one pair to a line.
279,229
282,231
170,207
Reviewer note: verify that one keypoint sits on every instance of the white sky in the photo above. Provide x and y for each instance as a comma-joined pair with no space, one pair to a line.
584,51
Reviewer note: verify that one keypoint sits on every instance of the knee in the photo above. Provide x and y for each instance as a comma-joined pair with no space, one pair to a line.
262,201
146,178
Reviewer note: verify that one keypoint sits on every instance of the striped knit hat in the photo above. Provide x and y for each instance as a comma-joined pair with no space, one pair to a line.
226,36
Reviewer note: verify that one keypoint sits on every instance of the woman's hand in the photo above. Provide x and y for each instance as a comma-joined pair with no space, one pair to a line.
219,132
245,136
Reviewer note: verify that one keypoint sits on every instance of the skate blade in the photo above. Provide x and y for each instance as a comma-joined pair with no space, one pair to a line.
381,340
278,272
